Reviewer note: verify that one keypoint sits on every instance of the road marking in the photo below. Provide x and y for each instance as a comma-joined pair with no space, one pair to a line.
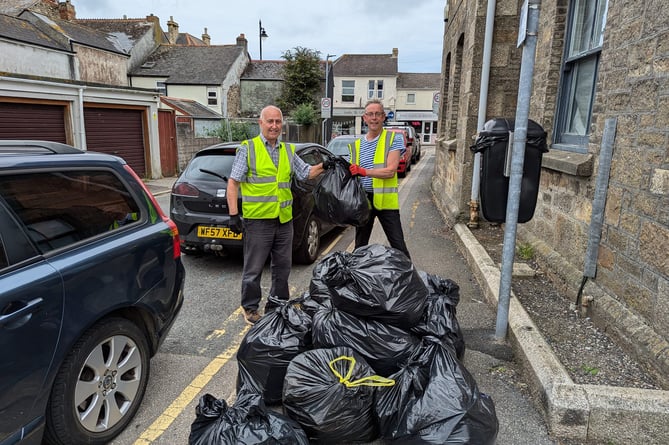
190,392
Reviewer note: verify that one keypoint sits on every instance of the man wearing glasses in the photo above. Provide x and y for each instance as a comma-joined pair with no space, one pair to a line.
262,168
374,157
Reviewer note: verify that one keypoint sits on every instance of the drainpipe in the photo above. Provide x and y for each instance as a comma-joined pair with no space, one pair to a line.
517,161
82,127
598,204
483,108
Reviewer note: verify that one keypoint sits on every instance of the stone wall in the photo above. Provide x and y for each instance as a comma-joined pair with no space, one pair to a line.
460,91
633,87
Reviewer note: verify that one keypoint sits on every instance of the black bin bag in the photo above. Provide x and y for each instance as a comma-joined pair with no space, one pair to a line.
384,347
246,422
439,318
435,400
340,198
271,344
376,282
330,393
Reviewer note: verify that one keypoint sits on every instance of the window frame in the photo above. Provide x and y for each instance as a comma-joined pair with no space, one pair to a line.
348,91
576,65
411,98
212,99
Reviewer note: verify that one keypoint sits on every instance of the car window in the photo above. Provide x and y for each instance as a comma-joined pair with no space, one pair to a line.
62,208
200,166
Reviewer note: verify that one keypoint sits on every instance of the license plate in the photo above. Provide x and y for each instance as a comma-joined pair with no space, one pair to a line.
217,232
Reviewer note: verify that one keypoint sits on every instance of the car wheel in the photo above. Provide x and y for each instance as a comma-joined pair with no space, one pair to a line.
307,252
100,385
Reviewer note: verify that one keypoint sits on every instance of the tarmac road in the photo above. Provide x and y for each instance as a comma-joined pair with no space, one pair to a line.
198,356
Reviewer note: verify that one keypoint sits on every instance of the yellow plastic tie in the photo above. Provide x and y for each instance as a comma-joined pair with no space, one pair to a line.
372,380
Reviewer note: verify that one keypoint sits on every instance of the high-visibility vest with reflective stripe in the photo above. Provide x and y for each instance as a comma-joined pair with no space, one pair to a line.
266,192
386,195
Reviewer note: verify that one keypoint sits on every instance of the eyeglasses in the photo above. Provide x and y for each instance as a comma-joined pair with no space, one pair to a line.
273,121
374,113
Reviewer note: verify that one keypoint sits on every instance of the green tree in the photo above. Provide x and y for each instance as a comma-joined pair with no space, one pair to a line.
237,131
304,114
301,79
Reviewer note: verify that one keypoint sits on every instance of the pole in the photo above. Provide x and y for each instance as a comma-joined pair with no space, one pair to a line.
327,94
483,109
517,160
262,35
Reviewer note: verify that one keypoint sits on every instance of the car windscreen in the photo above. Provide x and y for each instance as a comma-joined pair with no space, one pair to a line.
200,167
339,147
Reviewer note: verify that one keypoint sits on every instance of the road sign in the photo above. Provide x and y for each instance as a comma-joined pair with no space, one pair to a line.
391,115
326,108
435,102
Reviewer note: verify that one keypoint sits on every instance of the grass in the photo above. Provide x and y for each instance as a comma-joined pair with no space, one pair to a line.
525,251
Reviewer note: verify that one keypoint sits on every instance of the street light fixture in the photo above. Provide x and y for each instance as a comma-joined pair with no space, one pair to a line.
262,35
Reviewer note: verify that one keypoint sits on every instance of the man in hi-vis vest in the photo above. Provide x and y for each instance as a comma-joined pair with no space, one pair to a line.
374,157
262,168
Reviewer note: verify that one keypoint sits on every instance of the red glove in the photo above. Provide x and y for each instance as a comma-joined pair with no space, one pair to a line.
355,169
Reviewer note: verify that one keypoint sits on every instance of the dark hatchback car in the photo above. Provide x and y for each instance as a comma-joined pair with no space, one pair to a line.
199,205
91,281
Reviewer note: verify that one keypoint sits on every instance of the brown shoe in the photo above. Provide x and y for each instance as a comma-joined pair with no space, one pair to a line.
251,316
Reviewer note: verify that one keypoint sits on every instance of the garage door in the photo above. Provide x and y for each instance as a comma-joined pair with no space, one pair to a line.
32,121
118,132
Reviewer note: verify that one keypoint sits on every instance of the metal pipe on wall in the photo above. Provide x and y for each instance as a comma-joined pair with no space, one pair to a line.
483,110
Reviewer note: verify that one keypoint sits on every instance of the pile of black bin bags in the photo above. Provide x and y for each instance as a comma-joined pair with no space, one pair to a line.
371,351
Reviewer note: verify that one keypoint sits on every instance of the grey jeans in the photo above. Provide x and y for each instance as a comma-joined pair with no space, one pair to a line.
263,239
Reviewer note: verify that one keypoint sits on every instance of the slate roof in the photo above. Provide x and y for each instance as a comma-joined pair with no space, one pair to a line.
188,39
196,65
84,35
14,28
350,65
190,107
126,31
419,81
14,7
264,70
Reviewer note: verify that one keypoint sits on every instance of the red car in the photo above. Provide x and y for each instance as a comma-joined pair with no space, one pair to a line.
405,161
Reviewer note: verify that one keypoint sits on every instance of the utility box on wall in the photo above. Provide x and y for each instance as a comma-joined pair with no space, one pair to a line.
495,143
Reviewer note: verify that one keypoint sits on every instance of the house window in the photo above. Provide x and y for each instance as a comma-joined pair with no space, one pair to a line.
587,19
375,89
162,88
212,96
348,90
411,98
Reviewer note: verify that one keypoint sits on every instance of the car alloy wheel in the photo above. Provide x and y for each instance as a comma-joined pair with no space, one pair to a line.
311,241
100,384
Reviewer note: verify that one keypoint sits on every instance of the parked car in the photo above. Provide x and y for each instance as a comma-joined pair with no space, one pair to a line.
413,141
405,160
91,282
199,205
338,146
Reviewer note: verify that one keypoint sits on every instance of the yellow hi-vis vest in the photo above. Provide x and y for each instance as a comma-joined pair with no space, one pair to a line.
386,195
266,192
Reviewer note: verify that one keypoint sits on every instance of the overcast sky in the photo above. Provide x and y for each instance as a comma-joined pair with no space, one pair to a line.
332,27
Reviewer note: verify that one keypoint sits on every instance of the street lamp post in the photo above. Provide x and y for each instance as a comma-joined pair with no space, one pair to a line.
262,35
327,92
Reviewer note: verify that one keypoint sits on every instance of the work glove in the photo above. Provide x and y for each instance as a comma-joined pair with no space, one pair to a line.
328,164
236,223
355,169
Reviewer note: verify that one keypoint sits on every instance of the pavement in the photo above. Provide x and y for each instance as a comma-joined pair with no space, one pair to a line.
577,413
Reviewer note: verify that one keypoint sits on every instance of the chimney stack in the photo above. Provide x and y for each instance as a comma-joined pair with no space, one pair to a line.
172,31
206,38
241,41
66,10
395,53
